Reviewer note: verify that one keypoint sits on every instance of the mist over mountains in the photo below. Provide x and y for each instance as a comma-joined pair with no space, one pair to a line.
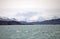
13,21
29,16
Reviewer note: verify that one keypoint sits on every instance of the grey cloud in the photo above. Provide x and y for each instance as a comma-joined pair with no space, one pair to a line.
27,14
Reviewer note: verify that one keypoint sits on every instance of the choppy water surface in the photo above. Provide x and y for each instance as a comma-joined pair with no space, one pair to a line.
29,31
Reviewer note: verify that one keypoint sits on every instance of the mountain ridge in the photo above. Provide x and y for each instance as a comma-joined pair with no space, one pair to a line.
13,21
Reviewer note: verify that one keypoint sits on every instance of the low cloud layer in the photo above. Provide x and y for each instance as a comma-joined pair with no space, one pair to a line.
32,15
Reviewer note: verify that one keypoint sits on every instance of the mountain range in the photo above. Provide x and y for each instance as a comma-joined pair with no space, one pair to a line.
13,21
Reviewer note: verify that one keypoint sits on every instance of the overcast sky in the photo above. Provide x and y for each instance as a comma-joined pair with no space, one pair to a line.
30,9
23,4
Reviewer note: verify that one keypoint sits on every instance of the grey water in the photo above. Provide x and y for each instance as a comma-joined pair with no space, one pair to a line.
29,31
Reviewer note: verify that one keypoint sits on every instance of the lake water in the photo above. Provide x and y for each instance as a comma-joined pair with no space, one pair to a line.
29,31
